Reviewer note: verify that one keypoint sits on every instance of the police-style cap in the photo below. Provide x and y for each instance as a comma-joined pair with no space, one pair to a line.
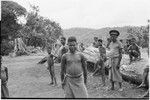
114,32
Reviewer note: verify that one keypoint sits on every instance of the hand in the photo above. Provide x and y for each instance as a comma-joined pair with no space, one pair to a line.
62,84
118,66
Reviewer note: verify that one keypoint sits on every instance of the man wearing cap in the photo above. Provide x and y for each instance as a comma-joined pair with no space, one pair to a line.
115,56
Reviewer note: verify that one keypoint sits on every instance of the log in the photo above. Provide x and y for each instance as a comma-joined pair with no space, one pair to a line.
20,48
43,60
127,76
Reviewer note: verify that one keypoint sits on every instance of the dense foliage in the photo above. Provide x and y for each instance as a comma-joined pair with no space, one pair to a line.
37,31
141,34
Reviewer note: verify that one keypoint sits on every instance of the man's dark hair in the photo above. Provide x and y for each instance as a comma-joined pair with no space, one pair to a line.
100,40
72,39
95,37
63,38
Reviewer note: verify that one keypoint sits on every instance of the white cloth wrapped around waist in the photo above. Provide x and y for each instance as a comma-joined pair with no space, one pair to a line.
112,54
74,76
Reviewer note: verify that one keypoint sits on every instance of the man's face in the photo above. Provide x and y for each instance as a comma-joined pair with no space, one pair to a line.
49,50
95,39
62,41
99,43
72,46
113,37
132,41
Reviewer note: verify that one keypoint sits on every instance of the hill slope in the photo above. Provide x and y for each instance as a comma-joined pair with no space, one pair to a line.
86,35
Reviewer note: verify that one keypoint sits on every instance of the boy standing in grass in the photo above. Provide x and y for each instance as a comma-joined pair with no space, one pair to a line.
50,67
74,72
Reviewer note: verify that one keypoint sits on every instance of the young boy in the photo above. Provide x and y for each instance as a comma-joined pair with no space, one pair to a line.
100,64
115,56
50,67
4,80
74,72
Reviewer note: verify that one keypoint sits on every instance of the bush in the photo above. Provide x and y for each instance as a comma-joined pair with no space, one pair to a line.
6,47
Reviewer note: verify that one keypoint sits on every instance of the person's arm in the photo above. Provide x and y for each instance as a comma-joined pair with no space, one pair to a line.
104,53
6,70
84,67
108,42
63,67
97,68
129,48
120,55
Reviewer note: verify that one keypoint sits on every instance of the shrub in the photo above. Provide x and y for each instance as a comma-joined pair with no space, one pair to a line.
6,47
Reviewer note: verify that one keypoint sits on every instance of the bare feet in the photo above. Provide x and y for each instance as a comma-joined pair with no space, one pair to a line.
51,83
121,89
109,89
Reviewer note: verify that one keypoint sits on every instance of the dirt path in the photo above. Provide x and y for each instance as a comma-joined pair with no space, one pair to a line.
27,79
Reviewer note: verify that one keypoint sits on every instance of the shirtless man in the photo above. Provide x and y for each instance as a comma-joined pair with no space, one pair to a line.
74,72
63,49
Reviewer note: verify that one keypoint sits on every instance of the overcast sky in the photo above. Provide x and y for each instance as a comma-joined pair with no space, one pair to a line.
93,13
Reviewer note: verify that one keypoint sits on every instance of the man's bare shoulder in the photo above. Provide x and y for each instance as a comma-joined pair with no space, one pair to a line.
65,55
80,54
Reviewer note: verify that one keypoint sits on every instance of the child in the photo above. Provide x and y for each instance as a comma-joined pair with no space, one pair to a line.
101,61
74,72
4,80
50,67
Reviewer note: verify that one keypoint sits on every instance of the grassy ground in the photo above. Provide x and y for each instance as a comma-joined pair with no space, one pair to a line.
28,79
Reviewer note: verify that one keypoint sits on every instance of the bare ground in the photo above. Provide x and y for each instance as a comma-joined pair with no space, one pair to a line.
28,79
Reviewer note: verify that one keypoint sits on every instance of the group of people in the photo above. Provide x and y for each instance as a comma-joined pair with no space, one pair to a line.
74,67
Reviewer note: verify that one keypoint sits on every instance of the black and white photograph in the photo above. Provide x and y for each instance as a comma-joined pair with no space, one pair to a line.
57,49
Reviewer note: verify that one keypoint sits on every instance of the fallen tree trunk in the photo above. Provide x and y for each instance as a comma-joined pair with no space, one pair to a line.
127,76
43,60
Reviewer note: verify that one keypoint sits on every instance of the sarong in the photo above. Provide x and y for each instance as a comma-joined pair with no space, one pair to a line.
4,91
114,73
74,86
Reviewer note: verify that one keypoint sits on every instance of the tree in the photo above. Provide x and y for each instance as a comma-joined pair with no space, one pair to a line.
10,12
38,30
141,33
9,24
